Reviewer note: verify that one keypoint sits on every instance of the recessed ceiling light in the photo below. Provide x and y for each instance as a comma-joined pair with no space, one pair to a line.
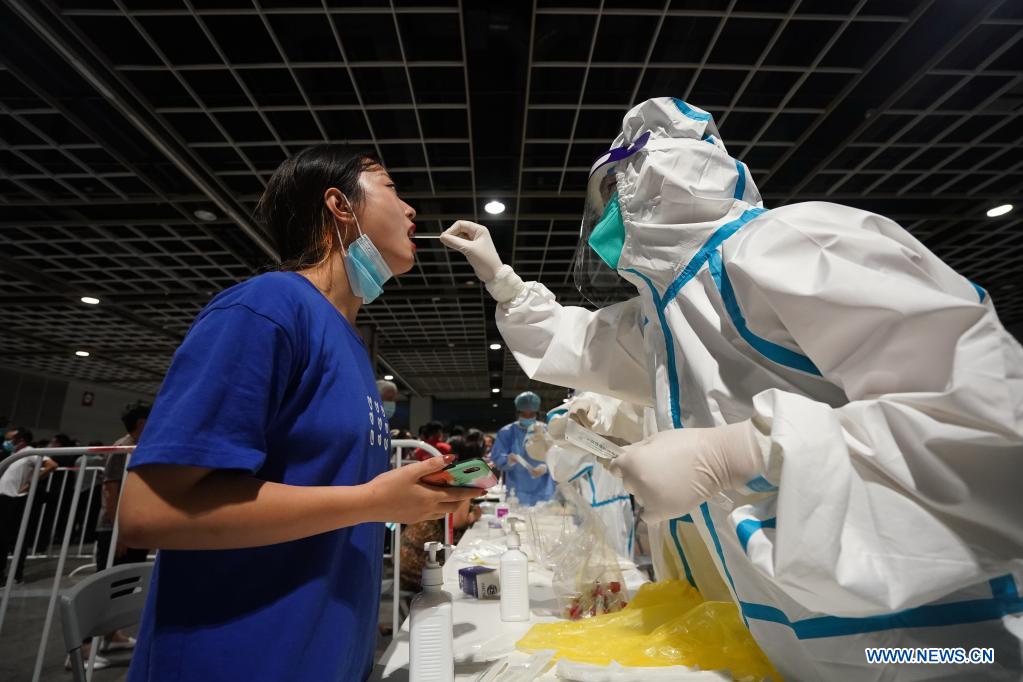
90,300
388,377
204,215
494,405
82,353
495,390
495,346
470,282
494,207
999,210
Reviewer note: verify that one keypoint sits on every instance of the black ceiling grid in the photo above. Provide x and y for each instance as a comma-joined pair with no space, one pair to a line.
119,119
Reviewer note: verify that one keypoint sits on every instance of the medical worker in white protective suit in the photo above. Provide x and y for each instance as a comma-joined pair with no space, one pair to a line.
840,413
566,463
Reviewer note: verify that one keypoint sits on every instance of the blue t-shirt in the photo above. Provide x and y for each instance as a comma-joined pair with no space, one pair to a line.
272,380
511,439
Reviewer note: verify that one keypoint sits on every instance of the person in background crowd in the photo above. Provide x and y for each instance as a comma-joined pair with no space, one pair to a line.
388,396
469,446
432,433
14,485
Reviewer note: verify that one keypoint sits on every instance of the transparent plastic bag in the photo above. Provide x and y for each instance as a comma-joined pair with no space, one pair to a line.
587,579
666,624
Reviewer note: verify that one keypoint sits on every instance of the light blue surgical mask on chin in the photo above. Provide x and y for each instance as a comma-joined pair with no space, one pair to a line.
390,407
8,446
608,236
526,423
366,269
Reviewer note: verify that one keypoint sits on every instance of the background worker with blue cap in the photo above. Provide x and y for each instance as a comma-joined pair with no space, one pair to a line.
523,474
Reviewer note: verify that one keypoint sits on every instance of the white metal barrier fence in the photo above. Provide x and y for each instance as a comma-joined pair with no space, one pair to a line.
89,476
81,468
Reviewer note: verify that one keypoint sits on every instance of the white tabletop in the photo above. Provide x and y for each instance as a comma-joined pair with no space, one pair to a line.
481,637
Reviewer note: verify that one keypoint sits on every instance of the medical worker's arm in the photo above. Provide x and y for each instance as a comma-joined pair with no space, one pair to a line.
568,346
503,443
911,489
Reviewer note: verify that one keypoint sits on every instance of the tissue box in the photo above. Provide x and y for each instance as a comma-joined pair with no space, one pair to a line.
480,582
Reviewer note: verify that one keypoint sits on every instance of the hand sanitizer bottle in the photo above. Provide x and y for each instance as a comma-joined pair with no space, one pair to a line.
431,651
514,582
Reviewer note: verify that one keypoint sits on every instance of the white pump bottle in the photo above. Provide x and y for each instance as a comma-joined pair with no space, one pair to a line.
431,653
514,581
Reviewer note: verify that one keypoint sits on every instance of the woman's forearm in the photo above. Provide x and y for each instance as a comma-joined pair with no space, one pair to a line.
190,508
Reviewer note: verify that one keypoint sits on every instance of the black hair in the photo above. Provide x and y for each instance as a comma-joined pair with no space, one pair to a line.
21,433
466,448
63,440
457,430
292,210
133,413
432,429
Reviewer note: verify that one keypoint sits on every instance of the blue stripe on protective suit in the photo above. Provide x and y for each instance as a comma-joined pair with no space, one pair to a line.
981,294
587,471
673,527
740,181
710,247
669,344
705,510
761,485
689,111
931,615
1004,587
772,351
748,527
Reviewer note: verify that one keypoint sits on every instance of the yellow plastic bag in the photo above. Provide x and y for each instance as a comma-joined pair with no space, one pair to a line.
667,623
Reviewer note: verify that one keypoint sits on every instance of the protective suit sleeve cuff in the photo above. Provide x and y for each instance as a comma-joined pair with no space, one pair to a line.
506,285
767,480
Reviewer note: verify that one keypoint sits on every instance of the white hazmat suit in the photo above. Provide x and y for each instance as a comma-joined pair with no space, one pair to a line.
886,395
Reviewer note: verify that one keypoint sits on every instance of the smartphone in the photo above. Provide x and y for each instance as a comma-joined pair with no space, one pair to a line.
472,473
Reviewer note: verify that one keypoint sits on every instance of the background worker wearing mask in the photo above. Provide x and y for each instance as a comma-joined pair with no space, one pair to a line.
839,411
523,474
388,396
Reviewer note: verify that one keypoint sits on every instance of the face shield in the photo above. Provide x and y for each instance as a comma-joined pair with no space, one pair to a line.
602,233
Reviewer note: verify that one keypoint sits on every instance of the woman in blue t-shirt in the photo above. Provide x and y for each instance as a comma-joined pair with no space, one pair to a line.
263,472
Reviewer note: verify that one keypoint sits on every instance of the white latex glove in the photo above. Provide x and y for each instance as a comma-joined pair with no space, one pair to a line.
607,416
672,472
535,472
538,442
556,428
473,241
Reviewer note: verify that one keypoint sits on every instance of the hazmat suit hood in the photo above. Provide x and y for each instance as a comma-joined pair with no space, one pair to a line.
676,185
